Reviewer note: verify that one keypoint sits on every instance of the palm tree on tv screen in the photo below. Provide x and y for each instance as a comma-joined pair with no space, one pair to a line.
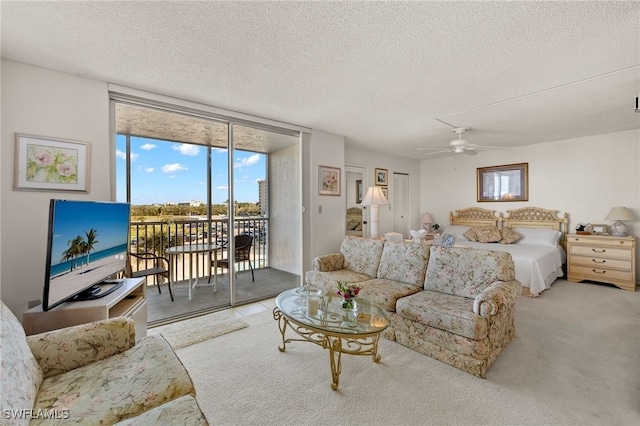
91,242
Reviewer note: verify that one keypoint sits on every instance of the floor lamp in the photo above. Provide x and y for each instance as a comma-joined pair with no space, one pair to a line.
374,198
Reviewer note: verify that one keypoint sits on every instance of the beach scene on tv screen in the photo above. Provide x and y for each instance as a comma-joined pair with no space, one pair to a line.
89,244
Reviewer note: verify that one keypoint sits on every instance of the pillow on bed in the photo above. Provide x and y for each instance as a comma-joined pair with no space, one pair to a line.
488,234
471,235
509,236
456,230
539,237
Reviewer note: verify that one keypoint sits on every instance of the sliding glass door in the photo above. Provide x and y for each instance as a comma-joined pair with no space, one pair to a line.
199,187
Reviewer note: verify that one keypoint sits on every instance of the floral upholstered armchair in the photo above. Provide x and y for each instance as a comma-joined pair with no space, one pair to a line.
92,373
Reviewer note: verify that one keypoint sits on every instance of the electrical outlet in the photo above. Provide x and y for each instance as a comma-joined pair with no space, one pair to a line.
320,209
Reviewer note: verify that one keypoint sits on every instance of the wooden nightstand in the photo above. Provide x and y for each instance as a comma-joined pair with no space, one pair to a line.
602,258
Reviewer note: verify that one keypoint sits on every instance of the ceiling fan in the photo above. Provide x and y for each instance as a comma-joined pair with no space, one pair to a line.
458,146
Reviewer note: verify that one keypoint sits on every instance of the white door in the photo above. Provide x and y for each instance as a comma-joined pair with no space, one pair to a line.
400,202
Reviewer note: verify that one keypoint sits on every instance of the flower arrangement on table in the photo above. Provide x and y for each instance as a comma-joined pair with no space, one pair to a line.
348,292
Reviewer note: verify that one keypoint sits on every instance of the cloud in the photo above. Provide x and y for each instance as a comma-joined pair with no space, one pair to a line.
171,168
149,169
249,161
221,187
187,149
148,146
123,155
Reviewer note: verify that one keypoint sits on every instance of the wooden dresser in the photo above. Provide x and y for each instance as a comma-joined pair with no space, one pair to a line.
602,258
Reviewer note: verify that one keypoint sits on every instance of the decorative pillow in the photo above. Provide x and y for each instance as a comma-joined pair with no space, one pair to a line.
457,230
509,236
539,237
488,234
471,235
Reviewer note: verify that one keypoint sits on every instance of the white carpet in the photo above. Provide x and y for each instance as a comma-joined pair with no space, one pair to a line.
574,362
188,332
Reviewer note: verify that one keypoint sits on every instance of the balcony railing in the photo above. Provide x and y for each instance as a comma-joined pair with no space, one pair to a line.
156,237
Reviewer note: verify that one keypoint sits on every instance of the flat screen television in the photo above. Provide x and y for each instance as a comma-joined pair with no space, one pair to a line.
86,245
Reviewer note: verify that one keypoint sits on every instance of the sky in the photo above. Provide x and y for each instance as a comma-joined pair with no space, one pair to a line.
73,218
164,172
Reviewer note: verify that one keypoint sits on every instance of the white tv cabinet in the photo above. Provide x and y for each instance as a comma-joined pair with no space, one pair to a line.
128,301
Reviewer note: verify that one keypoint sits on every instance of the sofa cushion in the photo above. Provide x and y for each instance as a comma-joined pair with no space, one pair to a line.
464,271
362,255
21,375
445,312
183,411
404,261
118,387
385,293
329,280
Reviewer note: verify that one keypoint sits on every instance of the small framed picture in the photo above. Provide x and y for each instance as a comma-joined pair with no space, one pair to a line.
448,240
50,164
328,180
382,177
385,192
598,228
358,191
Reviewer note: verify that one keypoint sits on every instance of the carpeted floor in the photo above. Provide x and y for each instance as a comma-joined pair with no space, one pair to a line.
575,361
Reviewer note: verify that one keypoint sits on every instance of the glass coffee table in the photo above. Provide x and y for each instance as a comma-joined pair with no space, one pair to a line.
317,316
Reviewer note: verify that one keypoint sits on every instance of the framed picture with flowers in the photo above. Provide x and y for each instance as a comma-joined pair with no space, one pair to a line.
328,180
48,164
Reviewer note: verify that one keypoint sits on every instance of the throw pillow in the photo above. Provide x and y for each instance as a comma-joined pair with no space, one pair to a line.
509,236
471,235
488,234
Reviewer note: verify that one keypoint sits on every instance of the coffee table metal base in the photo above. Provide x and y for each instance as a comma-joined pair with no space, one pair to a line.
337,343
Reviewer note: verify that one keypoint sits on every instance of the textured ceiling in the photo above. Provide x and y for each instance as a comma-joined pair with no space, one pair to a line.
389,76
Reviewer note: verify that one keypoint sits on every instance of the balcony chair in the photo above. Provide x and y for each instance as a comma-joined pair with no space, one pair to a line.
243,245
160,267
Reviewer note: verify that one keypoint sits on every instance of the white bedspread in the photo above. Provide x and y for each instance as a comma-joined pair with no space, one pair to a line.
537,267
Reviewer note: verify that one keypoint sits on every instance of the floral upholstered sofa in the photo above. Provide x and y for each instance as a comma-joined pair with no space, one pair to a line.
453,304
92,374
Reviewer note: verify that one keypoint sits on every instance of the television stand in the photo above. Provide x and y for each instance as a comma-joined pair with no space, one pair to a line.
128,300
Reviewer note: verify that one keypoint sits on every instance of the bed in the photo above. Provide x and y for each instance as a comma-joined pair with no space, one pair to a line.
538,256
354,221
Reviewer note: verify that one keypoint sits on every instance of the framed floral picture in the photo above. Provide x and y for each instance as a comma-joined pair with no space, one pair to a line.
48,164
328,180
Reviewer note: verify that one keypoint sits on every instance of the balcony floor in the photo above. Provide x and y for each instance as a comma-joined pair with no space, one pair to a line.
268,283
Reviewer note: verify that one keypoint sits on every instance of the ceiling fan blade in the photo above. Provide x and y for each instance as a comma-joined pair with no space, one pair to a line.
471,152
437,152
430,149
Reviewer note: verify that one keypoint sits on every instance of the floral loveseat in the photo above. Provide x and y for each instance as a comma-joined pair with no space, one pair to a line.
453,304
92,374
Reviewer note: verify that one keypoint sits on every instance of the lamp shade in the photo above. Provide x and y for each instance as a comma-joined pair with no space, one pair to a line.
427,218
374,197
619,213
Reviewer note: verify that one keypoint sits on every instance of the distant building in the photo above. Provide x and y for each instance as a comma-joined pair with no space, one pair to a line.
262,197
192,203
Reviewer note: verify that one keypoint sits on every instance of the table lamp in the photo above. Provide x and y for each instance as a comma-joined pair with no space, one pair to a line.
374,198
427,221
619,229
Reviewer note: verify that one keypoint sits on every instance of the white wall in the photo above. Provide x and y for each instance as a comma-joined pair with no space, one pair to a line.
327,213
46,103
372,160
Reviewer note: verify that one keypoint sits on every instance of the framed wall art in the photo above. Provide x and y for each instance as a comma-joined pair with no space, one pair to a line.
503,183
328,180
382,177
359,194
49,164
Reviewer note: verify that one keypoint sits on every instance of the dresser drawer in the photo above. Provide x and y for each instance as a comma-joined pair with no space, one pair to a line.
603,241
601,252
597,274
599,262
